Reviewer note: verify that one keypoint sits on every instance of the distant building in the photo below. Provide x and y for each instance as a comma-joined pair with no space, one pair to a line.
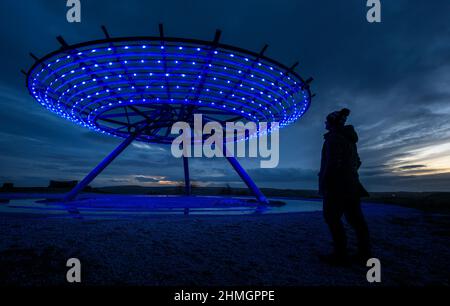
8,186
53,184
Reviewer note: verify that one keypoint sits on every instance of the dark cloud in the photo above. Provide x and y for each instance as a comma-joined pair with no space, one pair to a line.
146,179
412,167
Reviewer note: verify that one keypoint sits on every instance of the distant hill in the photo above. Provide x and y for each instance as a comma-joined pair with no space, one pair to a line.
426,201
179,190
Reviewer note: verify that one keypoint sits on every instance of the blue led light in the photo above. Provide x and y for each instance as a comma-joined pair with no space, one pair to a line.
139,74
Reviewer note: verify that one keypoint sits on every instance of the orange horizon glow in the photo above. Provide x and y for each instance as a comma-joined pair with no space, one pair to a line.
433,159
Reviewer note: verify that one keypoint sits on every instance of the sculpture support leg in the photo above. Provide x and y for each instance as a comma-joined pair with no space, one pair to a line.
187,181
247,180
100,167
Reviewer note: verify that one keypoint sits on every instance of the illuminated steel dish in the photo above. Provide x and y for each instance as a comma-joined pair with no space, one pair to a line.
115,85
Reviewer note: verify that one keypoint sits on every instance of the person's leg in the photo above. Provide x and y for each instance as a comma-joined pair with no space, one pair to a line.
332,212
355,218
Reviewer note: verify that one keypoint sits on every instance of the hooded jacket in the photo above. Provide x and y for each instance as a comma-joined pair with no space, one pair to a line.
340,162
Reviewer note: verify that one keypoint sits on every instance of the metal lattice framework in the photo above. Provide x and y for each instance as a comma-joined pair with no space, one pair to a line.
140,86
115,84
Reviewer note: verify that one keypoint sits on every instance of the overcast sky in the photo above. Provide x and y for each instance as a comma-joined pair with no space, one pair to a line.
394,76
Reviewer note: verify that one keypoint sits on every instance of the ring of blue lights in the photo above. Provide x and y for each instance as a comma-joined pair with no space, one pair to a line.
113,86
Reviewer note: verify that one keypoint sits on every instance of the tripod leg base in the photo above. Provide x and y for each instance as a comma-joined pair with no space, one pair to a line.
100,167
247,180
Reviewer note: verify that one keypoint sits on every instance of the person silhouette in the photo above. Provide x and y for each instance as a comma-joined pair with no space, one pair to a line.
341,189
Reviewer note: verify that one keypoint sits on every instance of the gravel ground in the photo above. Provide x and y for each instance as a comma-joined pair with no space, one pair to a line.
278,250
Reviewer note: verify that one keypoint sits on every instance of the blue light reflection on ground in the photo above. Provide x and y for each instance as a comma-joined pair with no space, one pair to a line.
142,206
